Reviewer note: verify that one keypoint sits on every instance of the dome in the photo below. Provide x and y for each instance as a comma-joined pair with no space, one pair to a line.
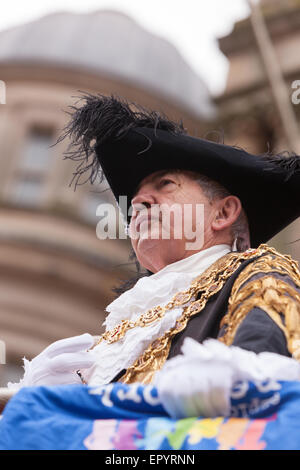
110,43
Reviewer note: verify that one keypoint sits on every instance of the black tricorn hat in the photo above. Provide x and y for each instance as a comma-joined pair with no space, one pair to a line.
125,143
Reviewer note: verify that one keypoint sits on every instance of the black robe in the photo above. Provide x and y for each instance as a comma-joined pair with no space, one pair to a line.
257,333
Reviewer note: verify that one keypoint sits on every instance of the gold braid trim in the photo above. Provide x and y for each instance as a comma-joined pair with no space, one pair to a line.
208,284
268,293
281,264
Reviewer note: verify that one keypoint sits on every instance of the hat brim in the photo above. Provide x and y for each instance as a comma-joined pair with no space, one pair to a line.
270,199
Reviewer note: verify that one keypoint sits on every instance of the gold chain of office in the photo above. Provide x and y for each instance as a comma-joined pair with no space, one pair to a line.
215,277
209,283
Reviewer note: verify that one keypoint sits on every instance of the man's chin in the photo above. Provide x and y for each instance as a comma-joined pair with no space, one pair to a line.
156,251
145,243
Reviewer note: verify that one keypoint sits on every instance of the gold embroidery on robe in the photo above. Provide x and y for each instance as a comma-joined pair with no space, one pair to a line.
278,298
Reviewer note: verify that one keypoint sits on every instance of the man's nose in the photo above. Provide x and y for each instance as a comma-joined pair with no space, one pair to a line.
142,199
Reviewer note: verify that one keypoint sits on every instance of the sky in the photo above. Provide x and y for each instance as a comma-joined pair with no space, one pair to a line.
191,25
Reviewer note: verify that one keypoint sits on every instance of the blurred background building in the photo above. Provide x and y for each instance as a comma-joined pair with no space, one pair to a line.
247,112
56,276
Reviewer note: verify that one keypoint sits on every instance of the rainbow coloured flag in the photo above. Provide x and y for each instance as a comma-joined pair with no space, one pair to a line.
264,416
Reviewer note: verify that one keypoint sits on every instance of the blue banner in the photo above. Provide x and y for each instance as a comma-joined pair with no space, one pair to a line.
264,416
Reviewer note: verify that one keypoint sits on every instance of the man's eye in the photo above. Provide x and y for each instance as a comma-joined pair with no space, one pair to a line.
166,181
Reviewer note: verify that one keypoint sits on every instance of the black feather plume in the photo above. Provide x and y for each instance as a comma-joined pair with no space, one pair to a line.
101,119
287,162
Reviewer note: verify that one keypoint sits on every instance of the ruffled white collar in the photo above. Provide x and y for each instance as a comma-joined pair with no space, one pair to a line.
149,291
158,288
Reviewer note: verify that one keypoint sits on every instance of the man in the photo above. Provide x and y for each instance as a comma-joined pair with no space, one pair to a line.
205,283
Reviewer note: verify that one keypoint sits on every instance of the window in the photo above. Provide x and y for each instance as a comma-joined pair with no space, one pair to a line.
33,168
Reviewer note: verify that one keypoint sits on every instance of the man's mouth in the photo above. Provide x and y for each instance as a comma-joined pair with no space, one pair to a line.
141,218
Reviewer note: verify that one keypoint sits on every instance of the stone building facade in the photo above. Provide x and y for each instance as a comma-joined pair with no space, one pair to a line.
56,276
246,111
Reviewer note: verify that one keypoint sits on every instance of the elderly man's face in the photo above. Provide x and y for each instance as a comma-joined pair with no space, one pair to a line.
171,219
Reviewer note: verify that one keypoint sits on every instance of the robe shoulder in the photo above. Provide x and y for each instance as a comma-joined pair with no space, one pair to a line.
264,307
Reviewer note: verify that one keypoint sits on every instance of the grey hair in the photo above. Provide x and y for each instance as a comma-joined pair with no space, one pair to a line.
240,228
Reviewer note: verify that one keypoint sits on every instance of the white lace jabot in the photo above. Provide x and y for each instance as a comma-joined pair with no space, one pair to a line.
148,292
158,288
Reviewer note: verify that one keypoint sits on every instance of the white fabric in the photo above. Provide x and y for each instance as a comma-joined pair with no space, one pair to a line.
199,382
148,292
58,363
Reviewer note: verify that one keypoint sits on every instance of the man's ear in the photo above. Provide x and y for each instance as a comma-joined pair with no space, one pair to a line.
228,210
